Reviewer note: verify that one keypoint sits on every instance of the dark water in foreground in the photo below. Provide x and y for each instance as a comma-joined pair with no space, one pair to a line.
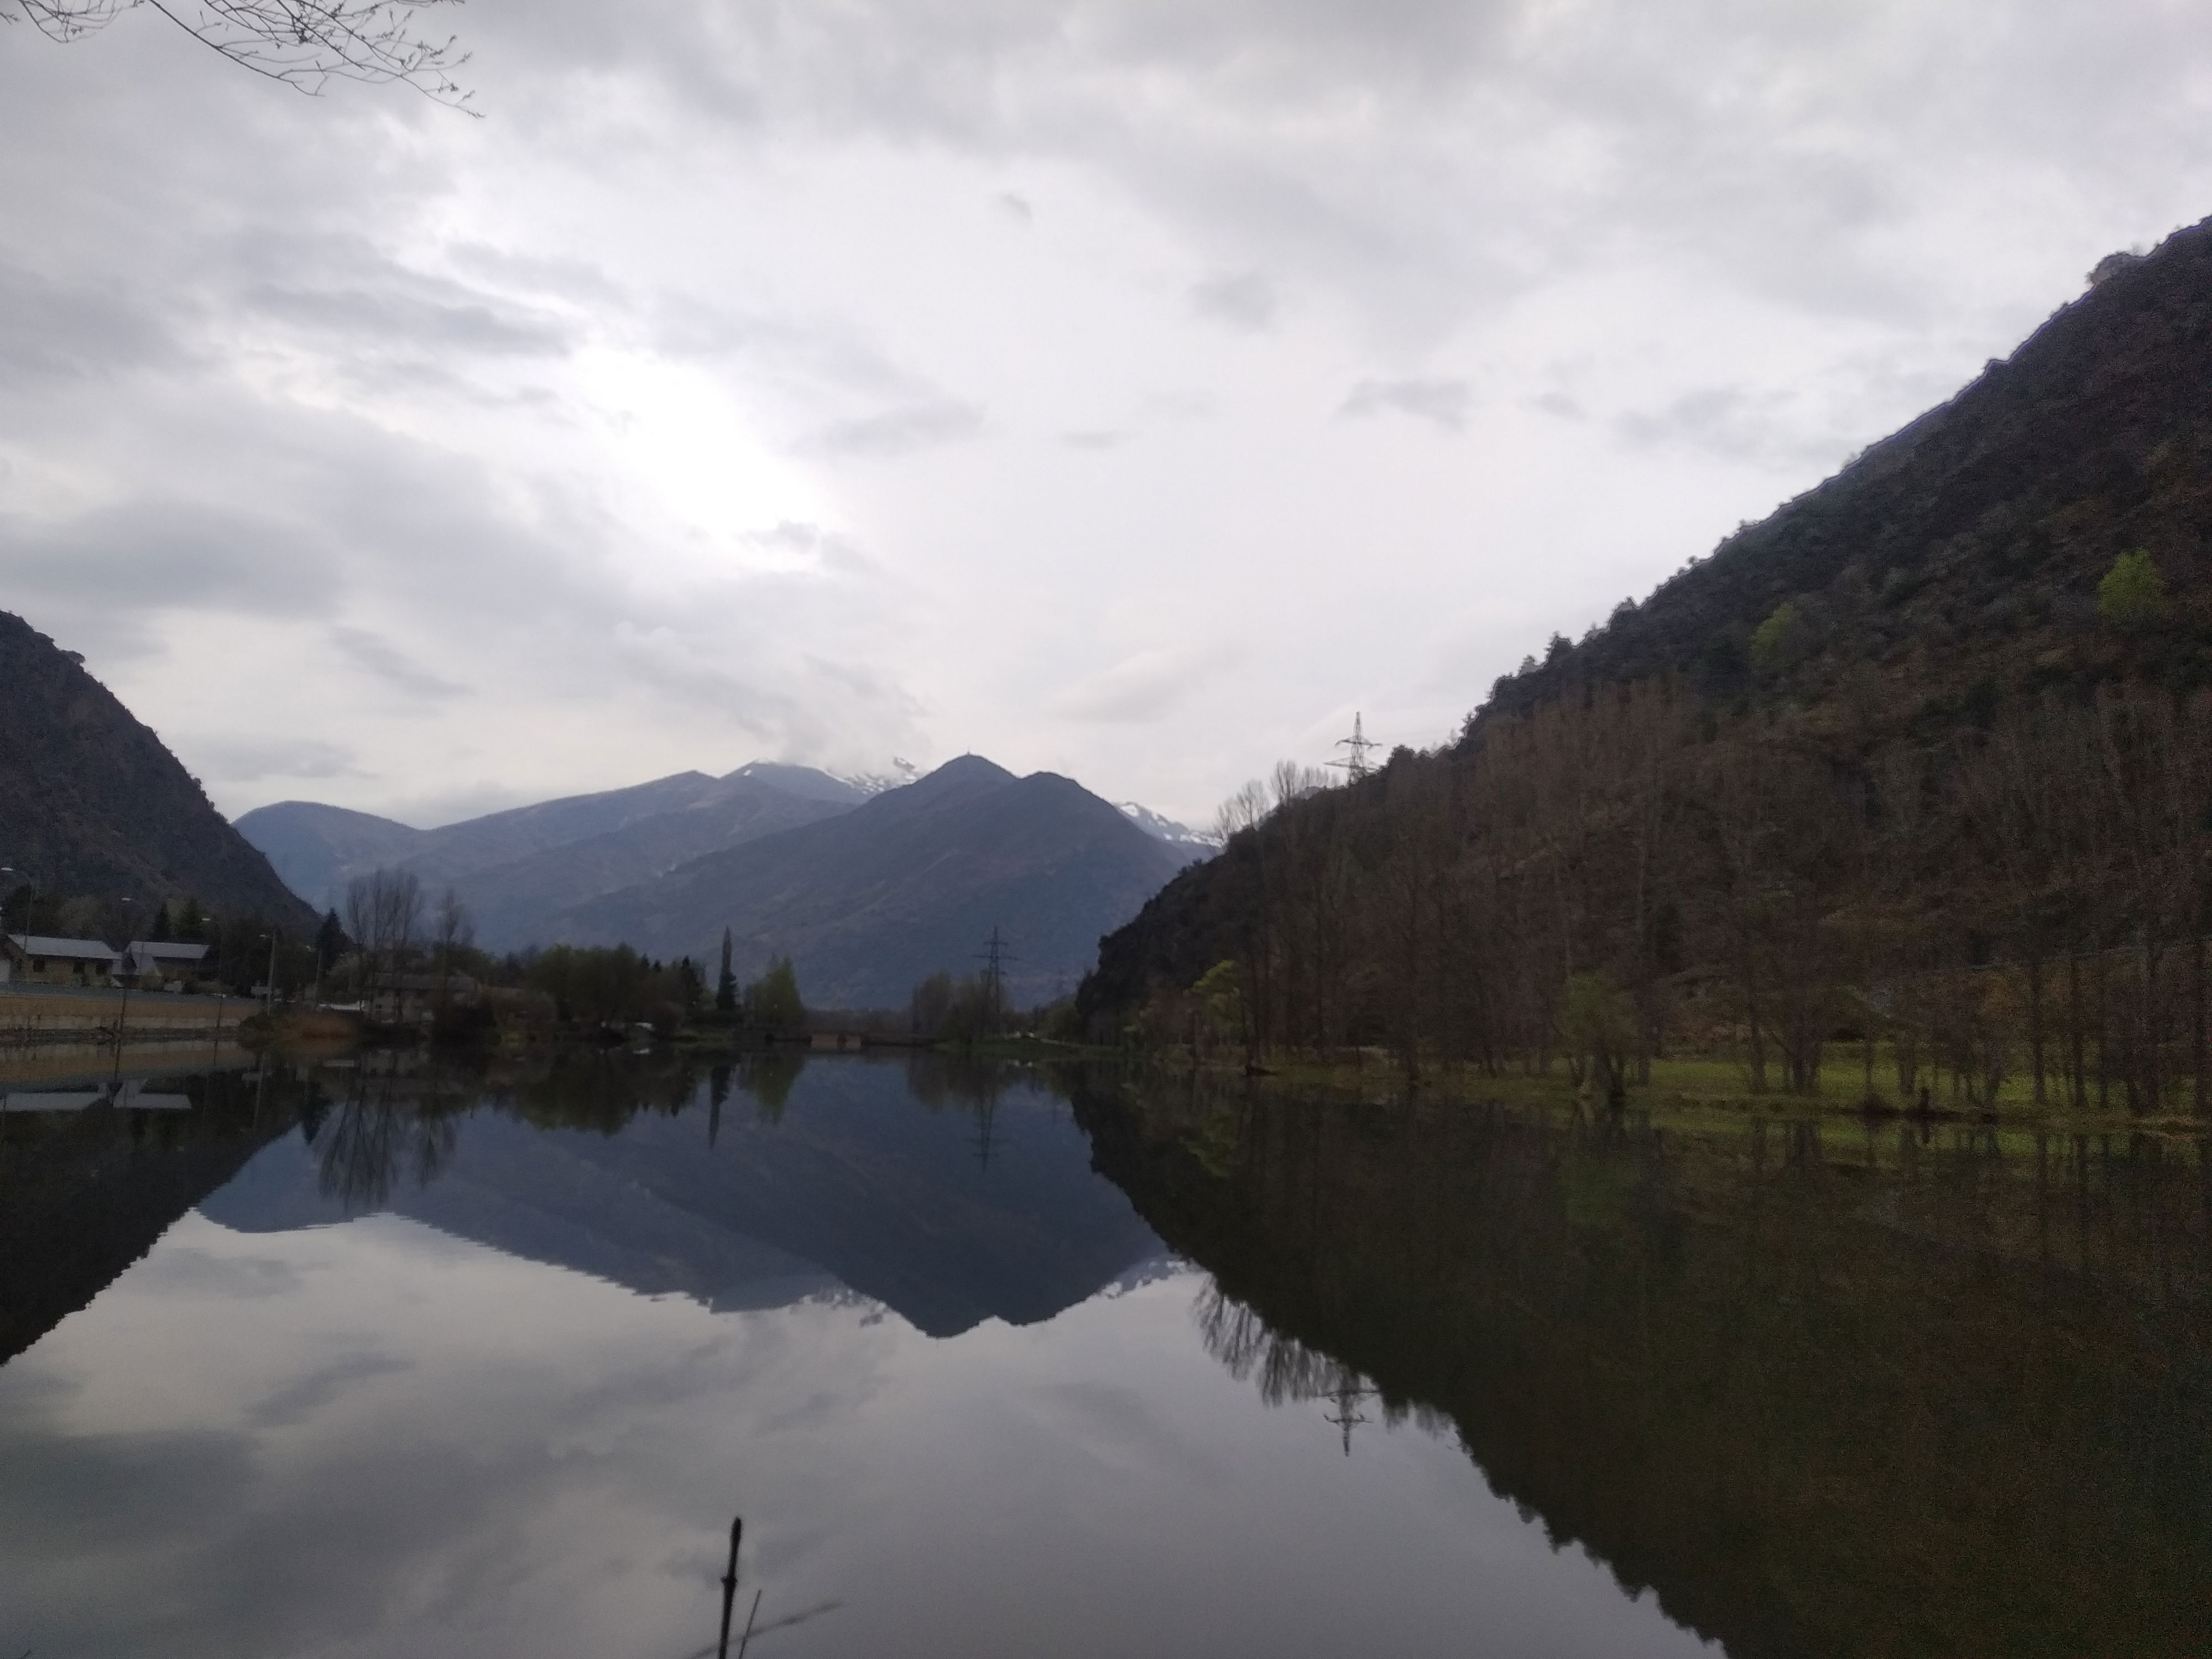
340,1362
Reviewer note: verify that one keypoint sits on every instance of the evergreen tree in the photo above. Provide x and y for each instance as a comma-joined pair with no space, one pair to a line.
726,986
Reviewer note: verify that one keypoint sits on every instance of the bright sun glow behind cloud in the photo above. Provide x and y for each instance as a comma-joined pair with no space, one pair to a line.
680,449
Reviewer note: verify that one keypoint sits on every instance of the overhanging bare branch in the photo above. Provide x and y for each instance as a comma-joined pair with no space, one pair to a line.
305,44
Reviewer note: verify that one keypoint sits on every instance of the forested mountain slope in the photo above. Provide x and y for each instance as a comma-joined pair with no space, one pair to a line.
92,803
1925,757
1961,557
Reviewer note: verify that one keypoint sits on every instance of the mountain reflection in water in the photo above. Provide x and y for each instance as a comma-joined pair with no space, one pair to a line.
481,1360
1846,1390
606,1167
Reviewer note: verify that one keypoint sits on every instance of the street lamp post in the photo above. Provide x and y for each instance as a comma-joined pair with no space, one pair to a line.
123,1011
31,909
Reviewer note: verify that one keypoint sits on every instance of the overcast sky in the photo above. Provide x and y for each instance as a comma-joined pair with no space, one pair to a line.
1129,388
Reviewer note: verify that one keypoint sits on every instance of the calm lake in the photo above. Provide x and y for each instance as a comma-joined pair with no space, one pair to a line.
373,1359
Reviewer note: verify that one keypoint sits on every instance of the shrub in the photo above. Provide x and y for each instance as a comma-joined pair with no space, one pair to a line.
2132,595
1779,641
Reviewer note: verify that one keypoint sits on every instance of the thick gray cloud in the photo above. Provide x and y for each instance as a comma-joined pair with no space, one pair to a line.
50,331
915,375
1443,403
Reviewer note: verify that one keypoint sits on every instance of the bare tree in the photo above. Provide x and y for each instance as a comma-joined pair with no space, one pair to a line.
454,929
384,911
1245,810
1293,781
305,44
359,925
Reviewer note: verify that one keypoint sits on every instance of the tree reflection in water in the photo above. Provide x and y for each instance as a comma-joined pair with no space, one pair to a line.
768,1077
1878,1389
384,1130
1287,1371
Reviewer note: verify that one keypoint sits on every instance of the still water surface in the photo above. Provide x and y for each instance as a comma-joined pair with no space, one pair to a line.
331,1361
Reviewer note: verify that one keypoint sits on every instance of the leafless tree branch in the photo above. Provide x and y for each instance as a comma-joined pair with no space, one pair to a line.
305,44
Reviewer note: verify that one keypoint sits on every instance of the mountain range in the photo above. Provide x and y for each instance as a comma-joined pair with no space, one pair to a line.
912,881
519,868
868,886
867,892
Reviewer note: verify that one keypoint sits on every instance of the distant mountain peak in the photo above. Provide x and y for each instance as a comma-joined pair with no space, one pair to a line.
1201,843
871,901
902,772
807,782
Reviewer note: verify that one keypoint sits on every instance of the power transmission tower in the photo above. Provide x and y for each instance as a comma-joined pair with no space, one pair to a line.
995,956
1354,765
986,1123
1348,1393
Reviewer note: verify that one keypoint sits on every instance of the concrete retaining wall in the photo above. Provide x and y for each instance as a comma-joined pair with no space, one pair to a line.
34,1011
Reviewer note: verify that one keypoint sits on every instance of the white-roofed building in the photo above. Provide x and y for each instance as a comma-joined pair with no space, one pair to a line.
159,962
41,959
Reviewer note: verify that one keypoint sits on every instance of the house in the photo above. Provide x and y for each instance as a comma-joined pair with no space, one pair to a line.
151,963
401,997
37,959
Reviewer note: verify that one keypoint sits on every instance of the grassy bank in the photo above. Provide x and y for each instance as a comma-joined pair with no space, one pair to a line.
1694,1089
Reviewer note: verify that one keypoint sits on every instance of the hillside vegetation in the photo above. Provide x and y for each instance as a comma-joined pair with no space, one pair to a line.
1921,765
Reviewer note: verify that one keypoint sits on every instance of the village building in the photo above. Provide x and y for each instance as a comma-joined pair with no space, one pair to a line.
38,959
402,997
156,964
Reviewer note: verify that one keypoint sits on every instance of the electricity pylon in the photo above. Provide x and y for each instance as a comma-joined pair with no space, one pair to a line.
1354,765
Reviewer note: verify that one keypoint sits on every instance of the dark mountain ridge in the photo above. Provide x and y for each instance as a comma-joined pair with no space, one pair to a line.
92,803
